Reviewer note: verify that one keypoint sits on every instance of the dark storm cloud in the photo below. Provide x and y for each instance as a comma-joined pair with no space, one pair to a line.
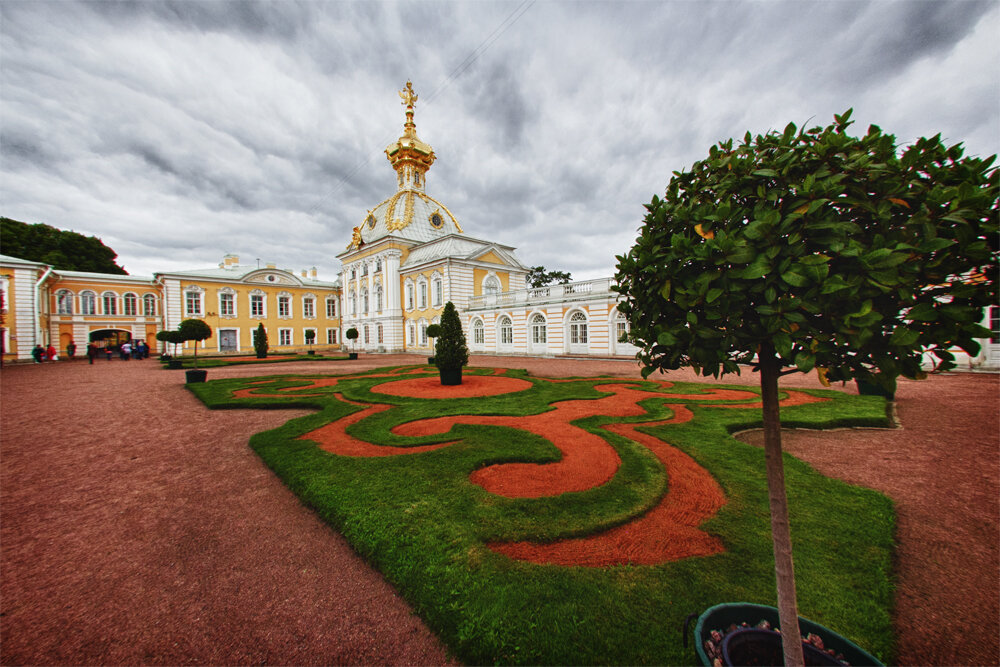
25,149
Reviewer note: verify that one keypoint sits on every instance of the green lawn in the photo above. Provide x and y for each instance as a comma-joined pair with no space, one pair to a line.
424,525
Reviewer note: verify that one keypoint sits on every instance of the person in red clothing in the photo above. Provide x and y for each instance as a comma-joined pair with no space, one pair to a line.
50,352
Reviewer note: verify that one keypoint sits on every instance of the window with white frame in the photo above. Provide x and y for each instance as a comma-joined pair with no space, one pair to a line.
411,334
378,265
367,338
331,307
227,304
309,335
539,333
88,303
64,302
438,291
192,302
578,329
423,333
378,299
130,304
422,290
110,303
364,300
409,297
621,328
506,331
309,307
354,303
380,334
284,305
331,336
478,332
149,305
284,336
491,285
257,305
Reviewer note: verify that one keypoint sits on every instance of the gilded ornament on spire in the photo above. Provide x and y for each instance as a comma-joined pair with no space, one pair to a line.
409,97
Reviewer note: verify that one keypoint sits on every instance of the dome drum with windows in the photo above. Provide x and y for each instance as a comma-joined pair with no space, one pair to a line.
409,213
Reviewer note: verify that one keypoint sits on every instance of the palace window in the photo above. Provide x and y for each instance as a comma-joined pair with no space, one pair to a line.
478,335
491,285
331,307
367,337
412,337
423,333
506,331
64,302
284,306
257,305
88,303
378,299
227,304
284,336
331,336
378,265
129,303
110,303
354,303
192,303
409,297
539,335
423,295
309,307
149,305
578,329
364,301
621,328
438,291
379,331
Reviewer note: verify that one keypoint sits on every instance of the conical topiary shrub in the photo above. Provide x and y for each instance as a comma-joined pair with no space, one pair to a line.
451,353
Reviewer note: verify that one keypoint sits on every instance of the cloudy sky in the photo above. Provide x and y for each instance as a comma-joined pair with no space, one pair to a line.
178,132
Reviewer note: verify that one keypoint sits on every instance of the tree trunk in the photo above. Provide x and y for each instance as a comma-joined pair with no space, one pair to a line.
780,533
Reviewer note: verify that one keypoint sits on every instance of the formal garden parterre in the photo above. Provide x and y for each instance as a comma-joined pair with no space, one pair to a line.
580,520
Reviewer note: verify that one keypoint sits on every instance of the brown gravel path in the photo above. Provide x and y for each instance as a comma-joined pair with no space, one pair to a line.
137,527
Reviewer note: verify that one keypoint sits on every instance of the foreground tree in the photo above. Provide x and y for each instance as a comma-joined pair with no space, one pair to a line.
260,341
808,250
65,250
194,330
539,277
451,352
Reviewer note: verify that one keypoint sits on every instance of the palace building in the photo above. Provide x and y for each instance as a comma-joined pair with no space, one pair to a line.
407,257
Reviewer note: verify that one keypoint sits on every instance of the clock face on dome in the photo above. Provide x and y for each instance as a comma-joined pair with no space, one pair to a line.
437,222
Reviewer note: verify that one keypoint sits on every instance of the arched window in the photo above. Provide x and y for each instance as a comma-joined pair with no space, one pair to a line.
491,285
64,302
506,331
539,334
423,333
437,295
378,298
621,328
129,304
149,305
109,300
354,303
478,335
364,300
422,292
88,303
380,336
578,329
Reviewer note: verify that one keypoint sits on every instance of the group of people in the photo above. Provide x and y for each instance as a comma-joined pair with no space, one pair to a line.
128,350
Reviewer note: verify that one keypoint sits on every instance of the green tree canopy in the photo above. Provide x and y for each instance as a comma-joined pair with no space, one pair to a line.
195,330
811,249
539,277
451,351
65,250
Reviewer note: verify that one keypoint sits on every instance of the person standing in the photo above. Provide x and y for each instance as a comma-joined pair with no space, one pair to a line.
108,350
71,350
50,353
38,353
91,352
126,351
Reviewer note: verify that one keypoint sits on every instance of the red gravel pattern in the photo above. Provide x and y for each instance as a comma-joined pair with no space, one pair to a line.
192,552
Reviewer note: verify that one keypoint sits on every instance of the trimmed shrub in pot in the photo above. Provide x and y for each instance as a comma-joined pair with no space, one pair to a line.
352,335
451,350
433,331
260,341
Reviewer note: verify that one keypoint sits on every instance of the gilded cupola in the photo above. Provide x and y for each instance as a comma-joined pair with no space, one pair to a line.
409,156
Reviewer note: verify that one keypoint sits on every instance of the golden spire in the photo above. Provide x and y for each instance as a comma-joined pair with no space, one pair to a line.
410,157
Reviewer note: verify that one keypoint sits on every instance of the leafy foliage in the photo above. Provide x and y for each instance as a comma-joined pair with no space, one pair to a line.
433,330
844,253
539,277
260,341
65,250
451,351
195,330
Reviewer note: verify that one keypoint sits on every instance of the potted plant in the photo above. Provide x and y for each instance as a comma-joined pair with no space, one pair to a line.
260,341
451,350
197,331
310,337
352,335
433,331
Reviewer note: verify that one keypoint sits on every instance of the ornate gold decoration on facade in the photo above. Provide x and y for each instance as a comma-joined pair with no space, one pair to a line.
355,239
